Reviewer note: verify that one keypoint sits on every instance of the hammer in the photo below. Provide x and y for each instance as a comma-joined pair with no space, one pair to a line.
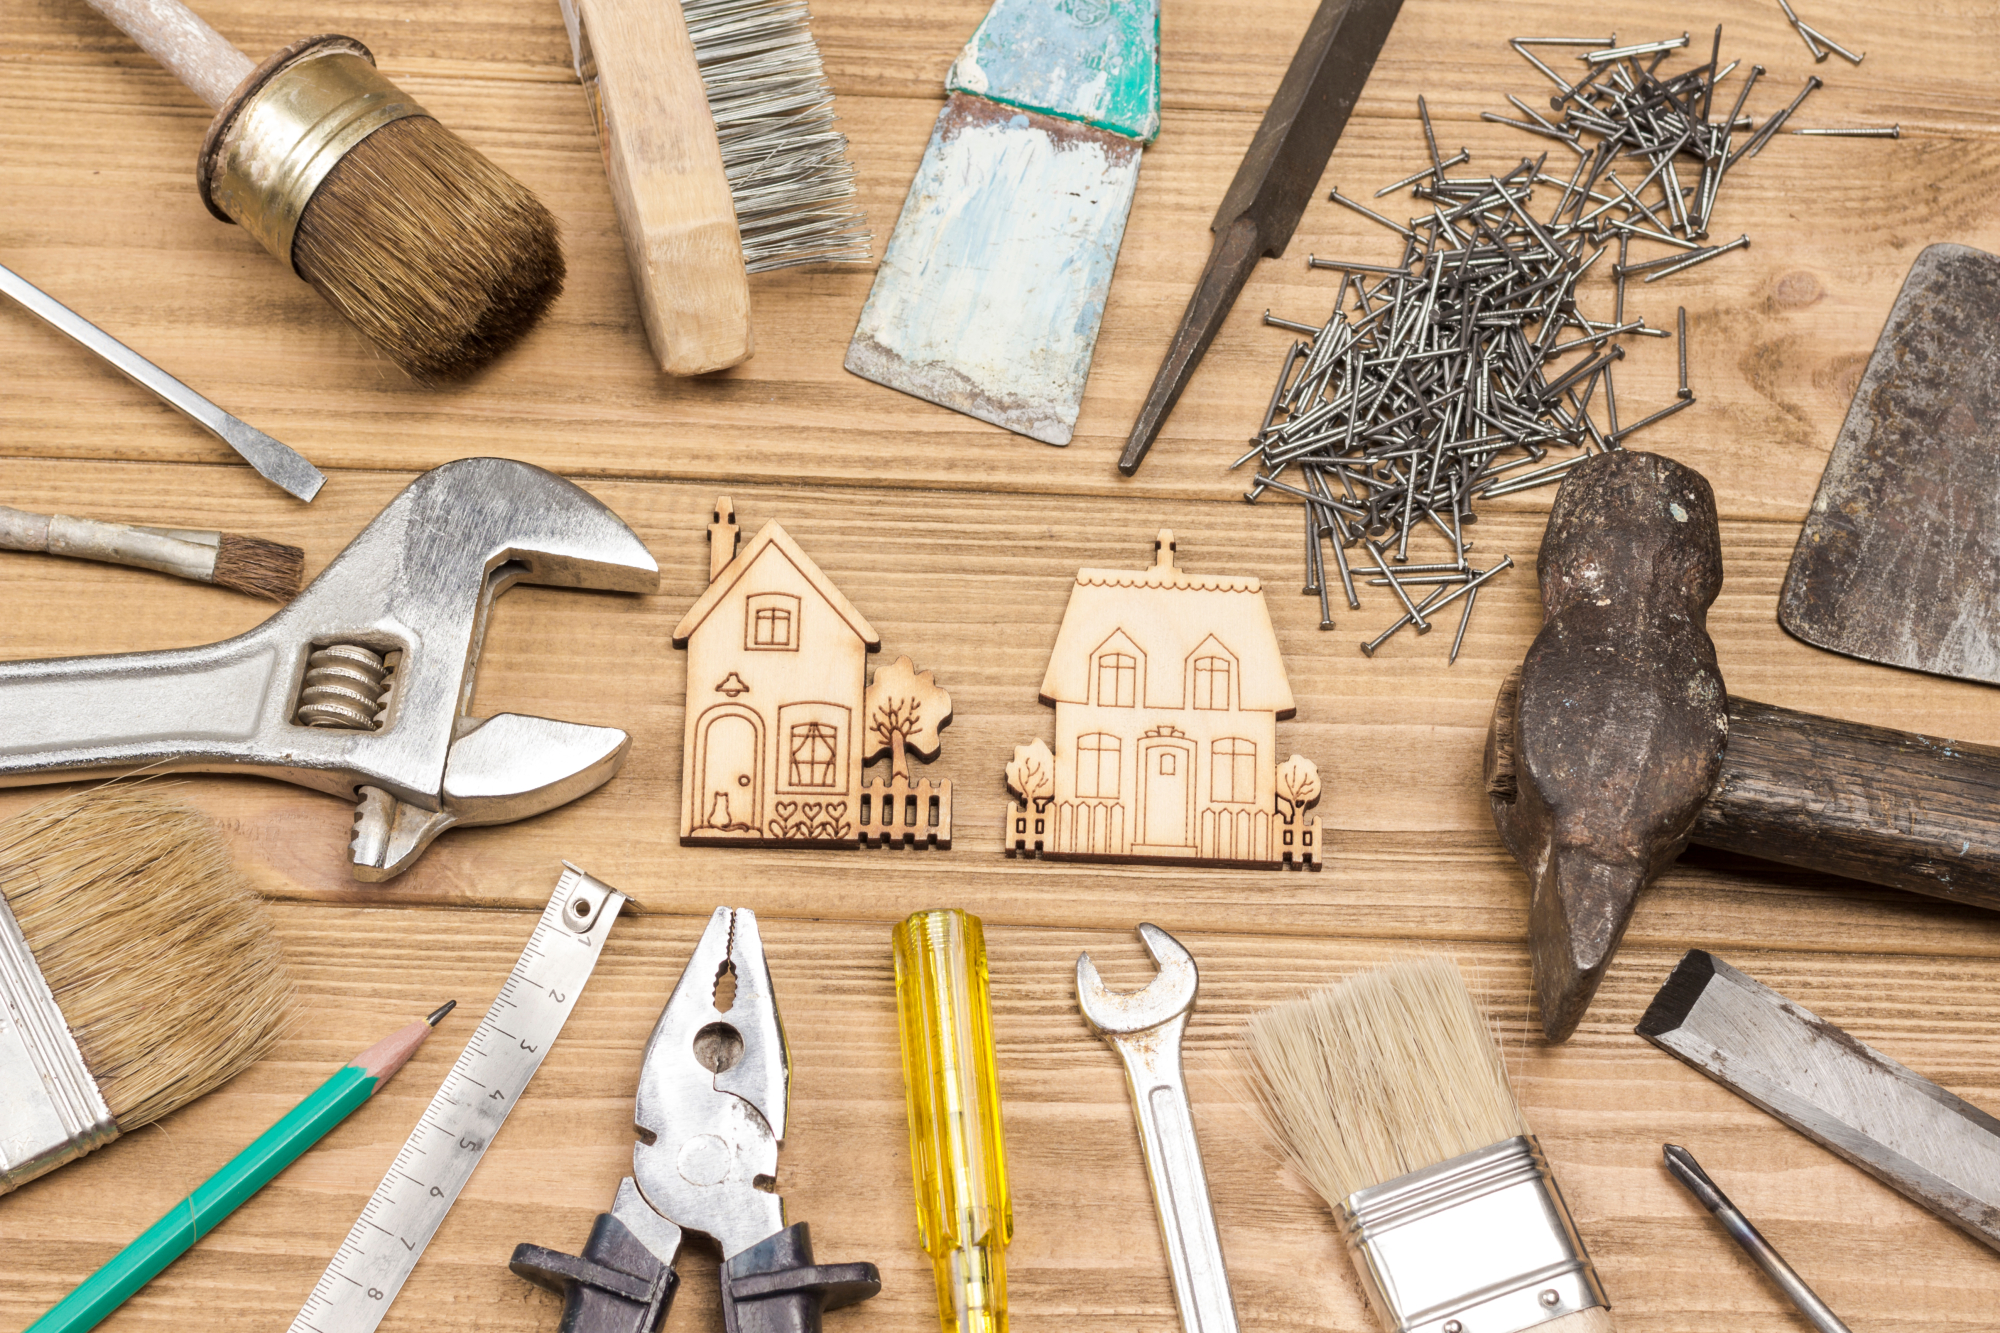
1615,744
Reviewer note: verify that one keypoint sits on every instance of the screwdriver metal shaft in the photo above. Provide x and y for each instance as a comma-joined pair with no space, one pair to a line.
1682,1166
275,461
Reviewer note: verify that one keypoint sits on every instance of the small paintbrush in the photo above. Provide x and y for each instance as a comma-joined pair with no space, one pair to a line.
138,971
226,559
1389,1097
410,232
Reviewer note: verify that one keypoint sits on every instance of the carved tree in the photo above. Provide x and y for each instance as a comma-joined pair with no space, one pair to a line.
904,710
1298,786
1032,774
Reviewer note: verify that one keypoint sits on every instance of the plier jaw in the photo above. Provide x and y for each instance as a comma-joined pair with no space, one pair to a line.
710,1113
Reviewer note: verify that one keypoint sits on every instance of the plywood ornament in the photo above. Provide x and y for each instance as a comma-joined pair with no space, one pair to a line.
1168,688
782,717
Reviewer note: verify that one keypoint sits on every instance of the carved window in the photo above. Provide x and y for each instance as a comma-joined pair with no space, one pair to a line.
1233,770
1097,765
1117,680
814,753
771,623
1211,682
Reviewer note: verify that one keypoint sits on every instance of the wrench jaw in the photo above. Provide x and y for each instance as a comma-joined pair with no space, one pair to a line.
1170,995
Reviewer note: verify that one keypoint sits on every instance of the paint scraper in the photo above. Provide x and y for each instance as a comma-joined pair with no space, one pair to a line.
993,285
1899,561
1933,1148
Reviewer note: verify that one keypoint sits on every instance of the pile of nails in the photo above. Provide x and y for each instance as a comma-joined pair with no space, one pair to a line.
1430,384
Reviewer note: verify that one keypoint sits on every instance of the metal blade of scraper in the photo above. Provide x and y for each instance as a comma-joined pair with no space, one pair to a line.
994,282
1899,561
1913,1136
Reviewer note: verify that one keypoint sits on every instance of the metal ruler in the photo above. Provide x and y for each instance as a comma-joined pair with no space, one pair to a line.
491,1074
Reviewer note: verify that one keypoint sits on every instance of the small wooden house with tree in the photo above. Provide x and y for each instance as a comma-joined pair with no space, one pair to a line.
781,718
1168,687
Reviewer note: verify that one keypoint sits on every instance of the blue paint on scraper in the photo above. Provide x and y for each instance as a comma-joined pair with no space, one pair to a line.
994,283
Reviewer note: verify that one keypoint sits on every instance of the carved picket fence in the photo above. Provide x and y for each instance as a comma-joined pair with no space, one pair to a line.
903,813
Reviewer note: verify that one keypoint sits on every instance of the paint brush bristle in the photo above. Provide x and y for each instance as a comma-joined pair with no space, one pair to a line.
258,567
438,255
158,952
1389,1071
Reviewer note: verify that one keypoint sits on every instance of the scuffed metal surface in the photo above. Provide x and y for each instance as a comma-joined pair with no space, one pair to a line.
1097,61
991,291
1907,1132
1899,561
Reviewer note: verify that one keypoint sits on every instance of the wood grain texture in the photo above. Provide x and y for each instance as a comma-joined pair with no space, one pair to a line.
179,39
960,542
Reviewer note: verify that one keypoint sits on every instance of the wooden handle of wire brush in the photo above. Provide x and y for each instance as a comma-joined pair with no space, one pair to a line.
180,39
667,180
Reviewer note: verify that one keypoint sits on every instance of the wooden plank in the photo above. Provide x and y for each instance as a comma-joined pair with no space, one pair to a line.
1780,332
1086,1248
1410,844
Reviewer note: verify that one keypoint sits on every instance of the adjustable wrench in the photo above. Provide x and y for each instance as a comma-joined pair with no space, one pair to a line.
360,685
1145,1028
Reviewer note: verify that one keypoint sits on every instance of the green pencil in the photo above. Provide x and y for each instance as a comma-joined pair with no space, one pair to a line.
246,1173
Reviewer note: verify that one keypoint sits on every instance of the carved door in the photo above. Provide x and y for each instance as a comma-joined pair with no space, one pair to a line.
731,790
1166,796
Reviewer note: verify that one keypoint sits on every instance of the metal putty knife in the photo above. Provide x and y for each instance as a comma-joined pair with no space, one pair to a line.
993,286
1929,1146
1899,561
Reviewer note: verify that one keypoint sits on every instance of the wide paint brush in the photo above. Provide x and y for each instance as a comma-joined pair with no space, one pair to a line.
991,291
1389,1097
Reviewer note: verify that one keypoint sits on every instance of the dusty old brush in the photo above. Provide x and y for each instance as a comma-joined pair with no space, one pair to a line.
718,133
432,251
137,972
226,559
1388,1095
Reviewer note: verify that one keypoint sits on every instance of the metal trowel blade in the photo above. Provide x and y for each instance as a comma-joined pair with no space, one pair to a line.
1899,561
993,286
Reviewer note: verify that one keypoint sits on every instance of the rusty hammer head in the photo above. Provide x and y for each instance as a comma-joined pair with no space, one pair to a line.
1608,739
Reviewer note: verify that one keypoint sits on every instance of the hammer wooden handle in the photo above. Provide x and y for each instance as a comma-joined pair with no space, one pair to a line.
180,39
1890,807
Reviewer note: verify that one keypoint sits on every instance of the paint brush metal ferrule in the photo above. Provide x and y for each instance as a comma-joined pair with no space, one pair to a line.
50,1108
285,129
186,553
1481,1243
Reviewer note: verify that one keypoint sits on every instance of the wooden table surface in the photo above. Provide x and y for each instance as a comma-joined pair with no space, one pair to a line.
959,541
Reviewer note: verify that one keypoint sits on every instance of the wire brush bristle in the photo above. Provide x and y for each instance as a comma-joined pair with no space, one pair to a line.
1385,1073
159,954
438,255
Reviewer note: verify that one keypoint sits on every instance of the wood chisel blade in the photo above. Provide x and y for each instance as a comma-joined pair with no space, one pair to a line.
994,283
1926,1144
1899,561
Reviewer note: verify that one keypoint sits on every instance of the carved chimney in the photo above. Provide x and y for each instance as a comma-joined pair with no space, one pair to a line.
1163,550
721,537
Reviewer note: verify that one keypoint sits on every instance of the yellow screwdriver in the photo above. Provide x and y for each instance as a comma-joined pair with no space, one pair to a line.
963,1213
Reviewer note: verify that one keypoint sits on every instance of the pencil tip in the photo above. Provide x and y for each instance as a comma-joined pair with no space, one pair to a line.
437,1015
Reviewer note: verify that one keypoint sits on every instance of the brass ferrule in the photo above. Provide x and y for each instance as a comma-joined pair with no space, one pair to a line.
289,124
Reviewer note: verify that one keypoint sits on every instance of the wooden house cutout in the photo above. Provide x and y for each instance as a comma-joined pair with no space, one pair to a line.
1168,687
781,715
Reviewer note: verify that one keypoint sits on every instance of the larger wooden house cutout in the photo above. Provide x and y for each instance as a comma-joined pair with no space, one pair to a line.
1168,688
781,717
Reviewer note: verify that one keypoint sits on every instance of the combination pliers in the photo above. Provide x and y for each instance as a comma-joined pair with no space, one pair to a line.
710,1116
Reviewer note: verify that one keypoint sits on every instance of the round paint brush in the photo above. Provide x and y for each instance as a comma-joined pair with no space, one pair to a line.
428,248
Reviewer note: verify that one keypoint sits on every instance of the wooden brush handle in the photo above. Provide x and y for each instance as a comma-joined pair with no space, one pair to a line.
178,38
667,180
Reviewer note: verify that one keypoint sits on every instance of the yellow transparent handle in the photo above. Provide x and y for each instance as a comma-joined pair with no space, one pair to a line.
963,1213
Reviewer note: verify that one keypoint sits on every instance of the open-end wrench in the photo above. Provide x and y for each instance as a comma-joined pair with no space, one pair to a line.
361,685
1145,1028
